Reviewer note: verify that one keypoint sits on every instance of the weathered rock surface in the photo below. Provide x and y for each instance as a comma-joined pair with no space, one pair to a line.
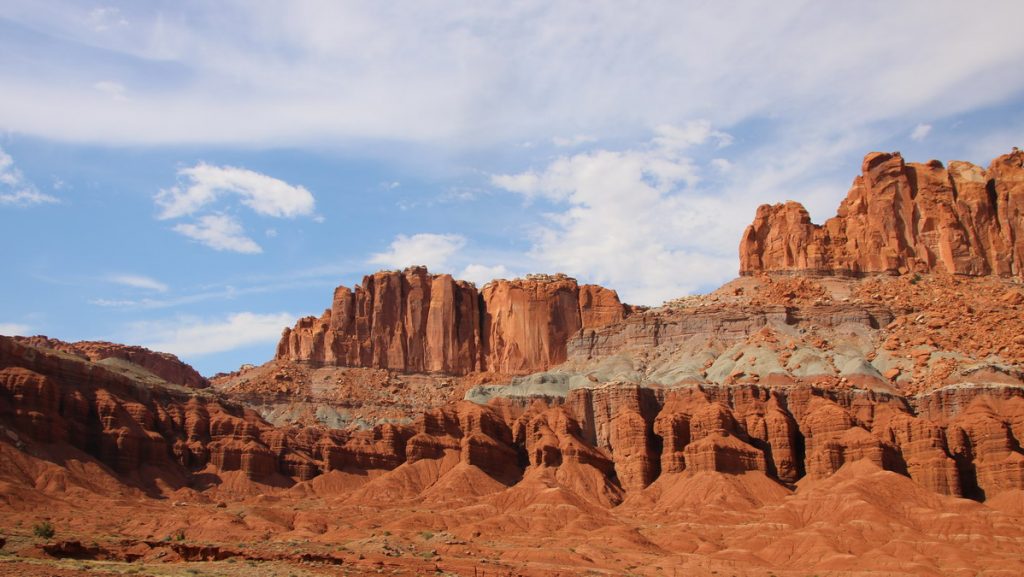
407,321
164,365
415,322
902,216
134,426
960,441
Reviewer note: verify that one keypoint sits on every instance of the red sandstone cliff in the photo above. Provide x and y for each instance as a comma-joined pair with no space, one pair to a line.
164,365
902,216
413,321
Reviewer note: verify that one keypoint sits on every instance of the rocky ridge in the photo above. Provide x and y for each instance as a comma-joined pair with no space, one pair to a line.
898,217
163,365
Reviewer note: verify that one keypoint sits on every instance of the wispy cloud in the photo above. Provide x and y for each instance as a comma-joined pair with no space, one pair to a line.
920,132
139,282
114,90
482,274
14,329
219,232
15,190
263,194
431,250
197,337
572,141
205,184
283,74
632,218
105,18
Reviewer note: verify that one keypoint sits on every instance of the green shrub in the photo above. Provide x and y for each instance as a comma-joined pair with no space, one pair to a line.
44,530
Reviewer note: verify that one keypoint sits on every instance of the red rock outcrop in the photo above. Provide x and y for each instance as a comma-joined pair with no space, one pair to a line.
619,418
164,365
130,425
415,322
408,321
902,217
960,441
609,440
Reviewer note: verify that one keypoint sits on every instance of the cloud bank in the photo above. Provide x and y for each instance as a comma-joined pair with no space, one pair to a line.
287,74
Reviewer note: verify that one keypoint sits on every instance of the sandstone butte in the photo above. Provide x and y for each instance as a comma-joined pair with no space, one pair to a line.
412,321
898,217
853,404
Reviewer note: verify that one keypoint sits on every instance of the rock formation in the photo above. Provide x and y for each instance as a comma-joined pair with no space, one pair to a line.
902,217
164,365
953,441
408,321
824,420
415,322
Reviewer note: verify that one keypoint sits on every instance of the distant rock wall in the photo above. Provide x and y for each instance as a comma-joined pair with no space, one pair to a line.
164,365
902,217
413,321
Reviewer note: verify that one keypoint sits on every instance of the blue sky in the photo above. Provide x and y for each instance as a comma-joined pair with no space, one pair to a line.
193,176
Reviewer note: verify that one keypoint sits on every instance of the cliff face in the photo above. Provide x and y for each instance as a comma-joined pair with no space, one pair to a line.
415,322
164,365
408,321
902,217
961,441
138,428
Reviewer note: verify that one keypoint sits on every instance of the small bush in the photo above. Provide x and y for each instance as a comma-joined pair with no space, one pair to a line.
427,535
44,530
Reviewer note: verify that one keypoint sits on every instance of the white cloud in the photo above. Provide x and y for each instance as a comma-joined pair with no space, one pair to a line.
15,190
284,74
105,18
573,141
196,337
920,132
219,232
26,198
482,274
431,250
721,164
678,138
632,219
14,329
139,282
264,194
114,90
116,303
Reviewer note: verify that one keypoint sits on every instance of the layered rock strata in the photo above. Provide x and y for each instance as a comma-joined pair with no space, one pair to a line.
898,216
164,365
959,440
415,322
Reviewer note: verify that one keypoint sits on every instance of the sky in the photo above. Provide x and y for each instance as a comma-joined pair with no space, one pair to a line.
195,176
